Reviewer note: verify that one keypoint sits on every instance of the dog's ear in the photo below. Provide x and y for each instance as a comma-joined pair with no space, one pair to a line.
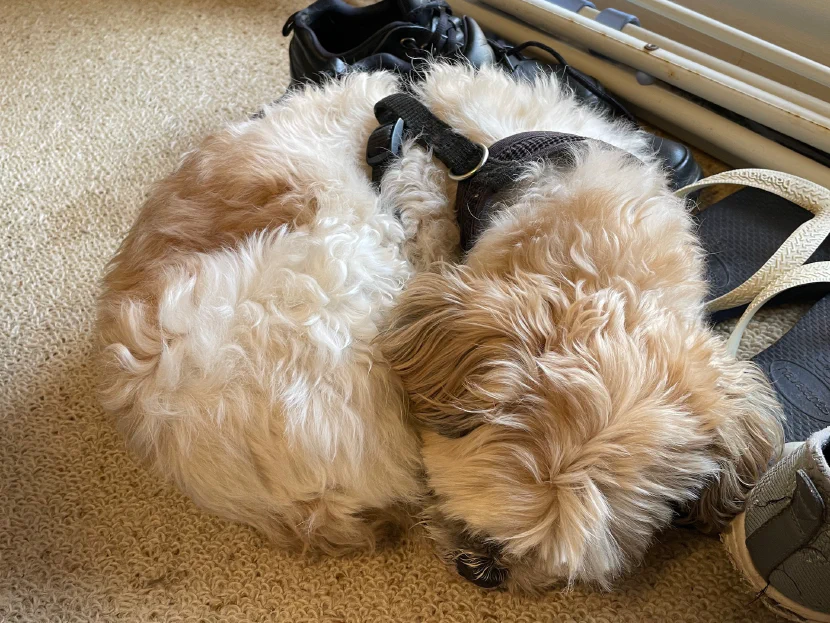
432,344
742,419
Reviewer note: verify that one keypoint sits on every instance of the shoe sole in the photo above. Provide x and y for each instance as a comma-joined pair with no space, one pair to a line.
734,538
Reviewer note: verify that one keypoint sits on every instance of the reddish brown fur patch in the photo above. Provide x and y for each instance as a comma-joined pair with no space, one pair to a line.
217,197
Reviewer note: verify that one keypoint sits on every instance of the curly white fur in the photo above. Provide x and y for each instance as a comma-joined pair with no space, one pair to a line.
238,321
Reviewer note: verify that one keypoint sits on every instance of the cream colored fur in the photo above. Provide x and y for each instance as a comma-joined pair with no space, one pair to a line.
572,397
237,323
245,345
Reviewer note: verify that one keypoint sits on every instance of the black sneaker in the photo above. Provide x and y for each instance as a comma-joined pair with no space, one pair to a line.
332,37
781,542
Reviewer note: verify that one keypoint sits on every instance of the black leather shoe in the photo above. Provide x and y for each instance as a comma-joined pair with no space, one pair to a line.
677,158
332,37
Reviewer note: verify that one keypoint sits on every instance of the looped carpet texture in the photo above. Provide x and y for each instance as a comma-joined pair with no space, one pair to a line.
99,99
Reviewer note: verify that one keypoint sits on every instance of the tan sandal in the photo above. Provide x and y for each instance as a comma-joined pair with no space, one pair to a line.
759,234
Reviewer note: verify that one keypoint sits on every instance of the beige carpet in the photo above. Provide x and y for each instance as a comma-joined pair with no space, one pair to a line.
97,99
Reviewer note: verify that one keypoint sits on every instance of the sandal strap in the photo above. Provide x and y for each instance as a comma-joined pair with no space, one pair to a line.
817,272
801,244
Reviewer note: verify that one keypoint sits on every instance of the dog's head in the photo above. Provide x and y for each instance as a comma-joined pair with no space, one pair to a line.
572,400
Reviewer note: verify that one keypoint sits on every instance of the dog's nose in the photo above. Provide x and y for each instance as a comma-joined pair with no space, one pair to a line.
480,571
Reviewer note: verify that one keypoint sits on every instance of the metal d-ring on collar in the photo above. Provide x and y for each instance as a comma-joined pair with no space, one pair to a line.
485,153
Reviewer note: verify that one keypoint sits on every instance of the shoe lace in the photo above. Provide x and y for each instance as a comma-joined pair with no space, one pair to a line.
443,41
503,51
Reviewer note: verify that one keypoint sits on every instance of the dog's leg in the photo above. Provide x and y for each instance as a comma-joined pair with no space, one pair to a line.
423,198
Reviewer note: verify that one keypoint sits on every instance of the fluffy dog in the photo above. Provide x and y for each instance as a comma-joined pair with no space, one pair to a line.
569,396
237,322
572,398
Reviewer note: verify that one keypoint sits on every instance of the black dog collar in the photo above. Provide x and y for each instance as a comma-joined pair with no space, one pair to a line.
484,175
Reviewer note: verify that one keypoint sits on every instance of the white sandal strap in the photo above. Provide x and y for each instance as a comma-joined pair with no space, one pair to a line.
817,272
801,244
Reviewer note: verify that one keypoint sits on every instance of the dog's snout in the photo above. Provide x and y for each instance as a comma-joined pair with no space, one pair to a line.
480,571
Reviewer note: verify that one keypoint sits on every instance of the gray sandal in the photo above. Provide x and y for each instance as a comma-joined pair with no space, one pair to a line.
781,542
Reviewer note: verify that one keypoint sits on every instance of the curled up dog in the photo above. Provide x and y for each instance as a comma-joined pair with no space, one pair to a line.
306,353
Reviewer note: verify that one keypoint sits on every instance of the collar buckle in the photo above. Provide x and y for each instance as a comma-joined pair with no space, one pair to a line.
485,153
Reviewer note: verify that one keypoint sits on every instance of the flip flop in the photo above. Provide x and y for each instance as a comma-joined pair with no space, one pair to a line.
756,235
798,364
